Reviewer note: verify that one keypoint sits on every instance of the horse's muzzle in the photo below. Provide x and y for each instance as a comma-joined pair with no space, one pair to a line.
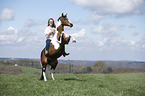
71,25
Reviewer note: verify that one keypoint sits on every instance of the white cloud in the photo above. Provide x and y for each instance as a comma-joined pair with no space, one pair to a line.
13,29
31,36
7,14
100,43
132,42
20,39
111,38
3,37
107,28
98,29
10,36
23,38
141,43
27,37
95,18
143,46
81,33
117,7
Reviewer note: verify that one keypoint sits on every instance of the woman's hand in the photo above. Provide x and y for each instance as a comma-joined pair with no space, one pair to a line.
52,31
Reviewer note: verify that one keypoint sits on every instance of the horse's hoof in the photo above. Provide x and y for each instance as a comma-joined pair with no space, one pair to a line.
65,54
45,80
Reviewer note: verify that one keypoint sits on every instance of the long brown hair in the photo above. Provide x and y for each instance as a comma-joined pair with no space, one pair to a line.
53,25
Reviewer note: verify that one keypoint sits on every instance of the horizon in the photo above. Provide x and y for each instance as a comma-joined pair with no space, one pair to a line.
70,59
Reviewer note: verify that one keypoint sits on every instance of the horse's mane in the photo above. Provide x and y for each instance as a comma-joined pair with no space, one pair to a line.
58,23
58,18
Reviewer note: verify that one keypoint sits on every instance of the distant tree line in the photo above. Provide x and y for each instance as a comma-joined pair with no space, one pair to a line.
22,62
99,67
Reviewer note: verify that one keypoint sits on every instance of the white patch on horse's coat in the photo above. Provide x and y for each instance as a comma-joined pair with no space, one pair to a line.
52,71
58,24
44,76
52,76
54,41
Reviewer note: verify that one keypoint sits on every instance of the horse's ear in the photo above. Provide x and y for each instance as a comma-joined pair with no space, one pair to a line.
66,15
62,14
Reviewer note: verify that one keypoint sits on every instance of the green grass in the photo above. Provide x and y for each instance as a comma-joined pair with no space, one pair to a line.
30,70
73,85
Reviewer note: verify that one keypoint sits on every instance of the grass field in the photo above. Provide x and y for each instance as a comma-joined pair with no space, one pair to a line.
73,85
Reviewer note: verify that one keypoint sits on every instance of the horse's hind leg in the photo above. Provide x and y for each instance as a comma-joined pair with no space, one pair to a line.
48,70
52,74
43,76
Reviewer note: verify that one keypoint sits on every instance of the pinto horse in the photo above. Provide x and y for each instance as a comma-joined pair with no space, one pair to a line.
50,62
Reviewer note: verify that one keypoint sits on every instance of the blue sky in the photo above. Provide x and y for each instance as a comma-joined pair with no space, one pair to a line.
104,29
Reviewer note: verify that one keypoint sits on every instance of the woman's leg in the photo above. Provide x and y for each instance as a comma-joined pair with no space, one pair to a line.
47,46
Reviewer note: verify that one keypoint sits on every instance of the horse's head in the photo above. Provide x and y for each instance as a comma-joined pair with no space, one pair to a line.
64,21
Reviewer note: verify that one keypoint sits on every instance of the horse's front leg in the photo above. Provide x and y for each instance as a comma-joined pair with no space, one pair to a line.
53,66
52,71
48,71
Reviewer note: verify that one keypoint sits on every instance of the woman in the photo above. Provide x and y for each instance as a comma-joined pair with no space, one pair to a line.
49,33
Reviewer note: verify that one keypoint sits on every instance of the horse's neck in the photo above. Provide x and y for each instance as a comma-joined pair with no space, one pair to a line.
59,29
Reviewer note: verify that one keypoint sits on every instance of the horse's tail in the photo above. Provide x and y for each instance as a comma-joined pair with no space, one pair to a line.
41,57
41,64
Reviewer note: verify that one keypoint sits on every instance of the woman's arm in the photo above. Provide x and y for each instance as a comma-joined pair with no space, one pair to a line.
49,32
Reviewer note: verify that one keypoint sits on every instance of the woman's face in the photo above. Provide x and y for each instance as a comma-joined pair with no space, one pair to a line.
50,23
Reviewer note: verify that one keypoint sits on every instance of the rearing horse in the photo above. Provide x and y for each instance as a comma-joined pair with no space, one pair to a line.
51,61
